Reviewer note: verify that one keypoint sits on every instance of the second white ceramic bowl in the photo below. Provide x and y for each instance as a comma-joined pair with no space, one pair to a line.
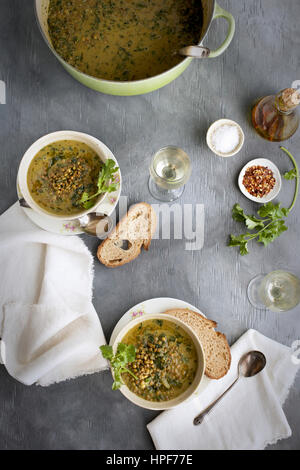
222,122
101,149
163,405
274,192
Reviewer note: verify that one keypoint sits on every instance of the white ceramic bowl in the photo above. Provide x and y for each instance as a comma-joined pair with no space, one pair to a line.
101,149
164,405
215,125
274,192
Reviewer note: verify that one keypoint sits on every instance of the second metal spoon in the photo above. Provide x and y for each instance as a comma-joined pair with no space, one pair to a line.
249,365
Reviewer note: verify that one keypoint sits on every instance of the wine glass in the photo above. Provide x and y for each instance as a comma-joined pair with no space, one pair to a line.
169,171
278,291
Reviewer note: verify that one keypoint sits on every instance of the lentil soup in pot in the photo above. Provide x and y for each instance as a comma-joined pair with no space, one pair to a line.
123,40
166,360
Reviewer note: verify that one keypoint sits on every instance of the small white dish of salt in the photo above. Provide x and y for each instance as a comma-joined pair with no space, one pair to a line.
225,138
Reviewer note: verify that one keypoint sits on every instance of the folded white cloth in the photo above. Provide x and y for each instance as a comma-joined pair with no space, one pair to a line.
248,417
49,328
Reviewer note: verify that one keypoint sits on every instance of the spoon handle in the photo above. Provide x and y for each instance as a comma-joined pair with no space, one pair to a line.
23,203
201,416
197,52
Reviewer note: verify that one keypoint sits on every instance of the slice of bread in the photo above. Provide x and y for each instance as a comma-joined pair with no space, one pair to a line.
132,233
215,346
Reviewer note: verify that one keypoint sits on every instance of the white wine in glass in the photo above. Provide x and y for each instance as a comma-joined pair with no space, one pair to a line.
169,171
278,291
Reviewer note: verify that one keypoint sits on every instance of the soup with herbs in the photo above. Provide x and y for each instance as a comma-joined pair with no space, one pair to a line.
60,173
123,39
166,360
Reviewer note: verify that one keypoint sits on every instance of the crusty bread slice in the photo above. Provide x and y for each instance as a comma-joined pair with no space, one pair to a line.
132,233
215,346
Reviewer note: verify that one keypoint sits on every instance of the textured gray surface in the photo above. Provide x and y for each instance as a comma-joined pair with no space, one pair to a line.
42,97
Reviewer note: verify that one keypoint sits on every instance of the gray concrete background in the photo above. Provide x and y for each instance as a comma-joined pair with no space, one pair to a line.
42,97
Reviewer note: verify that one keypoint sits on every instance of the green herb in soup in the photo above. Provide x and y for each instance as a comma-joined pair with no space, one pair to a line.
61,173
108,181
165,363
119,361
123,39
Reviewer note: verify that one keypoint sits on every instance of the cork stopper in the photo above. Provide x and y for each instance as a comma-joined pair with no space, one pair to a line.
288,99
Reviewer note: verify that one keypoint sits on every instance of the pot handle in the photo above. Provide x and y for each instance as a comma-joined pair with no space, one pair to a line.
220,13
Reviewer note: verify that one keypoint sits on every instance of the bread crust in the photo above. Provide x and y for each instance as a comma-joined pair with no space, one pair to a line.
145,243
212,323
226,345
111,265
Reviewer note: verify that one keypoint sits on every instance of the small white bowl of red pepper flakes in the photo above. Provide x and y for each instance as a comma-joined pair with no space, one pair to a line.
260,180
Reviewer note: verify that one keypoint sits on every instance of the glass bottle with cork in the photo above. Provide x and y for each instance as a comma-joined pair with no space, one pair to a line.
275,117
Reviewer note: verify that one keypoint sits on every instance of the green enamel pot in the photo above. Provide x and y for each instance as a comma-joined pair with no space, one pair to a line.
211,11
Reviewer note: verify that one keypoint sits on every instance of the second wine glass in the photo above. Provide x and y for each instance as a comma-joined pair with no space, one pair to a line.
278,291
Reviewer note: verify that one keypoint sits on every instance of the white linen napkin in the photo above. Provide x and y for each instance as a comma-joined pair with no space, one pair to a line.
49,328
248,417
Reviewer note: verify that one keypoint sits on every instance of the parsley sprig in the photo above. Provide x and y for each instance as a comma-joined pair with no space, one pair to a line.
270,224
290,175
106,183
125,354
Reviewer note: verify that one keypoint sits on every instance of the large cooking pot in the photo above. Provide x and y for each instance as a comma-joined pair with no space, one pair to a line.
211,11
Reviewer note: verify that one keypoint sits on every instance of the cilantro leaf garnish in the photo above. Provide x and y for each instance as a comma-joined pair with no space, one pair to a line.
239,215
124,355
290,175
268,227
106,183
270,223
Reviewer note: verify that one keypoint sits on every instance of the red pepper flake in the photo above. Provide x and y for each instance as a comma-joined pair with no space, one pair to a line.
258,180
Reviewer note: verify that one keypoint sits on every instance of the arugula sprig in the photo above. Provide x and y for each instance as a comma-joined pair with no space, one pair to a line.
125,354
270,224
106,183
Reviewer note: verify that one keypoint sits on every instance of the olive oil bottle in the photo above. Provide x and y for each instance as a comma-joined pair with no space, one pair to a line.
275,117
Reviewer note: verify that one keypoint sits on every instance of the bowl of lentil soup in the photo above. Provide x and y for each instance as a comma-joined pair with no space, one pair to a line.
169,363
58,168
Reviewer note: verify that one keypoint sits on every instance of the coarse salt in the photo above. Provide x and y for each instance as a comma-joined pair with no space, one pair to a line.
225,138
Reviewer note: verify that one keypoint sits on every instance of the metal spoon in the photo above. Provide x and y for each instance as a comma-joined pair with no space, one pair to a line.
23,203
95,224
198,52
98,225
249,365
